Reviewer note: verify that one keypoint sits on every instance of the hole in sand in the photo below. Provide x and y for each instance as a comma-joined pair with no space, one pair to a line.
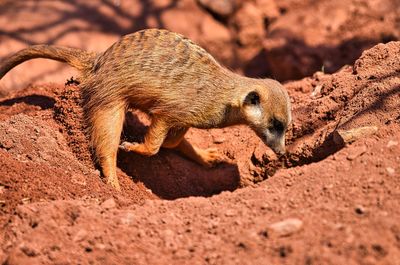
44,102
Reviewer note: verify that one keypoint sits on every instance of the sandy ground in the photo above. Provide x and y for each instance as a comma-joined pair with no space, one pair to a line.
326,202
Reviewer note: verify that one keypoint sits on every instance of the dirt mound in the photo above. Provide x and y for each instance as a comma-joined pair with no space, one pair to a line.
363,95
348,214
344,197
37,163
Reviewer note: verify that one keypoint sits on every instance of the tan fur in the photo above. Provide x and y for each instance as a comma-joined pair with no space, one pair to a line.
177,83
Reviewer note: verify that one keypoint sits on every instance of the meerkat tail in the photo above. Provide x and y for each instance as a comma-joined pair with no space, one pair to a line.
77,58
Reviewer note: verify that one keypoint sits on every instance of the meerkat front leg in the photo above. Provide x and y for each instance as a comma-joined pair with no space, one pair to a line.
153,139
159,135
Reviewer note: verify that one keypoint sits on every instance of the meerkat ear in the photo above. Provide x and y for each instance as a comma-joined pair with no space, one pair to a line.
253,98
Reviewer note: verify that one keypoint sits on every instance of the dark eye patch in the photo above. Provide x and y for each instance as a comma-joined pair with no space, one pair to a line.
252,98
277,126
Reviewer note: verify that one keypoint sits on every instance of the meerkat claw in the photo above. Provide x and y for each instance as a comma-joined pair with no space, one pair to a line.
126,146
123,146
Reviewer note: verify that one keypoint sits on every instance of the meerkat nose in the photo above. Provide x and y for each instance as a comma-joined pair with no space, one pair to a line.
280,150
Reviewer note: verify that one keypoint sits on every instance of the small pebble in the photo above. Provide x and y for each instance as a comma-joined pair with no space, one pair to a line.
356,152
230,213
109,204
390,170
391,143
26,200
218,139
286,227
80,235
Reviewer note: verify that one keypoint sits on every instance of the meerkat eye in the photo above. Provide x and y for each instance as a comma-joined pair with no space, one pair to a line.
277,126
252,98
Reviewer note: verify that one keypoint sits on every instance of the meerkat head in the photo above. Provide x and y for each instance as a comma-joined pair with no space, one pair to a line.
267,110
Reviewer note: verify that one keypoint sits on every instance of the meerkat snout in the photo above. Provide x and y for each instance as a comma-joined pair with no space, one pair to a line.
267,111
274,137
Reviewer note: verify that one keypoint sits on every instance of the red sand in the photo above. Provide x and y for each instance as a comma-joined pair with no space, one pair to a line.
56,210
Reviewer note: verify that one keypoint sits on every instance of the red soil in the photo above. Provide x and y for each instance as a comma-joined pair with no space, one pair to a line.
56,209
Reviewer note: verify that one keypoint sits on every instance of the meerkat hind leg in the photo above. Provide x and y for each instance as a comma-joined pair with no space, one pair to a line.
205,157
106,130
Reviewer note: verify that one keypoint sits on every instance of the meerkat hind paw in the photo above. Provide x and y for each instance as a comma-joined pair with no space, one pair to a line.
114,183
210,157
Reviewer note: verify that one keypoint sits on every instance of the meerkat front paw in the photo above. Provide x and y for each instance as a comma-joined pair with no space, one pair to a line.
127,146
139,148
209,157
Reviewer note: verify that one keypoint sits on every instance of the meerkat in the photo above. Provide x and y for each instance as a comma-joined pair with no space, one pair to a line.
177,83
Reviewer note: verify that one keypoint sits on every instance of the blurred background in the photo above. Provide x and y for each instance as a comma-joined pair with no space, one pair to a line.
282,39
